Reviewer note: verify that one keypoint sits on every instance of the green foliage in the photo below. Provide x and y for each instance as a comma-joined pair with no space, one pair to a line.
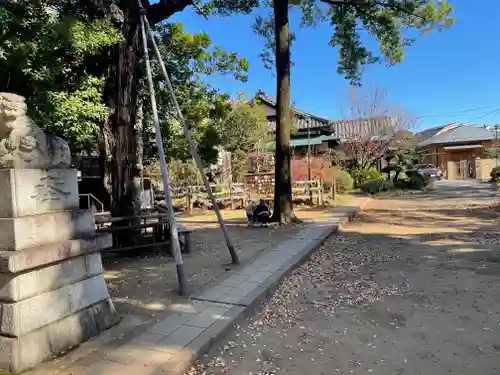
51,52
183,173
189,58
401,182
400,160
362,175
375,186
91,37
387,22
415,180
492,153
345,182
239,164
495,174
264,26
75,116
245,128
390,23
49,56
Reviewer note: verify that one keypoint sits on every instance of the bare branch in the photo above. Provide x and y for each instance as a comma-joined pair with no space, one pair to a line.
379,128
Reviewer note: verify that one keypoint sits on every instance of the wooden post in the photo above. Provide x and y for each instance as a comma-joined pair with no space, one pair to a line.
321,196
231,196
188,199
334,190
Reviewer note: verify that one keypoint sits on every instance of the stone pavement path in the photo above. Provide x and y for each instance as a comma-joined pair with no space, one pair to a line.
411,287
169,345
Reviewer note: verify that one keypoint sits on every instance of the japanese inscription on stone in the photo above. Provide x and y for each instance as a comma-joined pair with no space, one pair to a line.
50,188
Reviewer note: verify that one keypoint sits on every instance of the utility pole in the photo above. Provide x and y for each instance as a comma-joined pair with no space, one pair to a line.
495,145
309,175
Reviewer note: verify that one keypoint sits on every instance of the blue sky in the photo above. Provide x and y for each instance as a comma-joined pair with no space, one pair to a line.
449,73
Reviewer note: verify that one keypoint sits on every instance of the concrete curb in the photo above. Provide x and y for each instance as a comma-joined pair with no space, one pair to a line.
217,331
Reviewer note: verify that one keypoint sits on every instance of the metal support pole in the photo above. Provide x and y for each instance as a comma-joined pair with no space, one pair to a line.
174,235
192,146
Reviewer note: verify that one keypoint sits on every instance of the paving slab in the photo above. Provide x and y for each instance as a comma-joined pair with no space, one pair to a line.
169,325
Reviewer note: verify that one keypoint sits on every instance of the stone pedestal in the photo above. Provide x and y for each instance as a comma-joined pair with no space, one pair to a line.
52,290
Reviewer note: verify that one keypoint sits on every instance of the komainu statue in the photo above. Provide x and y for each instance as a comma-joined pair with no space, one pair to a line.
23,144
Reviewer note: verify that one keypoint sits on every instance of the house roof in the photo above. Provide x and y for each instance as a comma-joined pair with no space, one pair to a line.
298,142
428,133
305,120
454,133
345,129
340,129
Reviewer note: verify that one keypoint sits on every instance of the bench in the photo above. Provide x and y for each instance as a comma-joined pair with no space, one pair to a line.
118,227
160,232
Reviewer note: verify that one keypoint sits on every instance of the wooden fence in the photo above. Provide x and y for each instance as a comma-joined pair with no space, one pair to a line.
238,195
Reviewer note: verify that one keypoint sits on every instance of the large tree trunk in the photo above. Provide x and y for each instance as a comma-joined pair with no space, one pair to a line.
120,152
122,171
283,208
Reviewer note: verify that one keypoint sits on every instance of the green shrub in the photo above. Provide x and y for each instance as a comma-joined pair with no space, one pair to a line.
362,175
375,186
495,174
344,181
327,185
416,180
401,183
374,174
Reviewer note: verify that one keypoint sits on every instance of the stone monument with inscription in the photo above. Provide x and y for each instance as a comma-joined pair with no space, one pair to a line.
52,290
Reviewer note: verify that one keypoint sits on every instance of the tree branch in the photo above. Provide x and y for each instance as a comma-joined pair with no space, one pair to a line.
390,5
163,9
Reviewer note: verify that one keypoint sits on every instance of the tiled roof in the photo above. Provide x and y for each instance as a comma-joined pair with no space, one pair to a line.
428,133
458,134
345,129
304,119
341,129
303,123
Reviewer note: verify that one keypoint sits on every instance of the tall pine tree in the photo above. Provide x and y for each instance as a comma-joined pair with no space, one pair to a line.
388,21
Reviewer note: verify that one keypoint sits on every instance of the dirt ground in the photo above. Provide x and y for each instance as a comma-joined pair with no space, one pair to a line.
144,284
410,287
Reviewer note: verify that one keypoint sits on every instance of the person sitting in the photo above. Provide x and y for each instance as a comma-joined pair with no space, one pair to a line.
249,210
261,213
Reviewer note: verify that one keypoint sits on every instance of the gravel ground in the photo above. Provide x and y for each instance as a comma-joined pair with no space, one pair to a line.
411,287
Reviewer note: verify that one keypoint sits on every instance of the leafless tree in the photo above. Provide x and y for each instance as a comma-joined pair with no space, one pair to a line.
372,128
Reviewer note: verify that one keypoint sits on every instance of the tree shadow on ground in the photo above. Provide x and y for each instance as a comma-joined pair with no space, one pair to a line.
145,283
440,254
451,235
476,219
